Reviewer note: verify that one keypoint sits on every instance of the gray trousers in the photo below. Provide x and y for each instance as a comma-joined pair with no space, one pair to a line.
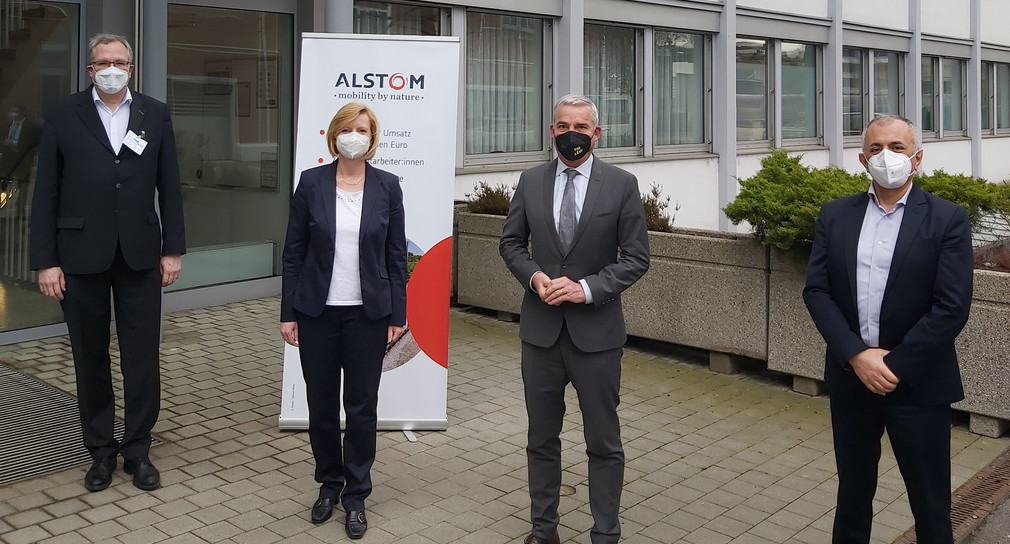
597,381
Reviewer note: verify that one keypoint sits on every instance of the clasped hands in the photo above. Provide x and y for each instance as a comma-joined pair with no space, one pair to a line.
871,369
558,290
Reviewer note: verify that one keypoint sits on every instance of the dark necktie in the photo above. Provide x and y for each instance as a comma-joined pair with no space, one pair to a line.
567,222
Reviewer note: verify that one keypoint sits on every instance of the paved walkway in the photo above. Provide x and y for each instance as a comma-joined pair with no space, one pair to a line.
711,458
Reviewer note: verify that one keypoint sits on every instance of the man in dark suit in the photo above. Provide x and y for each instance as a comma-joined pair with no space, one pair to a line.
889,286
104,154
575,238
19,136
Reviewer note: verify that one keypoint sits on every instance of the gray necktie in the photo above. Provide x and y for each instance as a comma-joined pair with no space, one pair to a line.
566,224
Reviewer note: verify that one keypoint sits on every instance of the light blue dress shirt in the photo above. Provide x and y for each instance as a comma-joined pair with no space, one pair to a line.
116,123
877,237
581,185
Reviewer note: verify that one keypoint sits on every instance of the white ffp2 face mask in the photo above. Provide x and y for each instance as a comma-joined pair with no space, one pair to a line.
889,169
111,80
353,144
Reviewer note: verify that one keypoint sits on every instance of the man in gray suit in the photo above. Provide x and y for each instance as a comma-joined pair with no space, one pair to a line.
575,238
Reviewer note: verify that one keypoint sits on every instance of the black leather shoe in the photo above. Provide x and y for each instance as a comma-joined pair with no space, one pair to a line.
554,539
356,524
322,510
145,476
99,476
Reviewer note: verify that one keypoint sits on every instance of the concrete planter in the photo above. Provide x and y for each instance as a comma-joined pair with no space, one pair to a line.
983,350
481,276
704,289
794,345
727,294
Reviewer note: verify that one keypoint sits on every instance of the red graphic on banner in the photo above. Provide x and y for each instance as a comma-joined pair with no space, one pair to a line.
428,302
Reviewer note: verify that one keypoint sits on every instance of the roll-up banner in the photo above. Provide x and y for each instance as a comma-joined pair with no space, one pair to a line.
412,85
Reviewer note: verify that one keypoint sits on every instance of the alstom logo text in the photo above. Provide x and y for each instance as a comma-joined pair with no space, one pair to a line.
370,80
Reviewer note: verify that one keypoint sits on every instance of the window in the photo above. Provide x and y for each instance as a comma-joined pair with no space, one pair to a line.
944,95
799,91
1002,96
393,18
751,90
679,88
868,73
954,95
929,94
794,113
995,97
504,84
230,86
610,80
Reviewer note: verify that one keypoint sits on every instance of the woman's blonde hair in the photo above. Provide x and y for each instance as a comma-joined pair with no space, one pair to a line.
344,116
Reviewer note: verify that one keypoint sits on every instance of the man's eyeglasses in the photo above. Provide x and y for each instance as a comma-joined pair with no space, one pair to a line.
101,65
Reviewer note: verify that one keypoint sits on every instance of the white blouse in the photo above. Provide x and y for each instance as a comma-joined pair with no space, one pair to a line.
345,282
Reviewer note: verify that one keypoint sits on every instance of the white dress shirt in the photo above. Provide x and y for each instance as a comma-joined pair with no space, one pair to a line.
115,122
877,237
581,185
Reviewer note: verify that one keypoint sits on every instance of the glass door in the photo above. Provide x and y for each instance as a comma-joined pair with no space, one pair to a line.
39,54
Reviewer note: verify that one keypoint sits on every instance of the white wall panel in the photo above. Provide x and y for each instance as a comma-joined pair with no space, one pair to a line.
810,8
995,15
878,13
954,157
947,18
995,159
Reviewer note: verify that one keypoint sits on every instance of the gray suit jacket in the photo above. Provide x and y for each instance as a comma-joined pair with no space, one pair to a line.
610,251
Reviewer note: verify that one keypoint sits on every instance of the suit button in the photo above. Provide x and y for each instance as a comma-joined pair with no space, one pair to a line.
117,161
564,265
119,185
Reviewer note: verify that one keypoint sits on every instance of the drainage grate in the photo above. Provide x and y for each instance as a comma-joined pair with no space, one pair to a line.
976,499
40,428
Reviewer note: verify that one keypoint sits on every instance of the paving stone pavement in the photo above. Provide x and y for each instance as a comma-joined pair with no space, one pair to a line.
711,458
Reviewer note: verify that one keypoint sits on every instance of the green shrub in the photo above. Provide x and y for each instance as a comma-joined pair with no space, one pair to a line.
781,201
656,217
490,200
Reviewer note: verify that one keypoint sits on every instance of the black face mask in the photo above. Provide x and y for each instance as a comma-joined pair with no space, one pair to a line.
573,145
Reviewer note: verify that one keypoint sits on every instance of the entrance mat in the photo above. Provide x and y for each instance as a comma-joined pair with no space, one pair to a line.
40,430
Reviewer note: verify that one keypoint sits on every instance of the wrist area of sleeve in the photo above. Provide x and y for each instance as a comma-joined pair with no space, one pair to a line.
587,290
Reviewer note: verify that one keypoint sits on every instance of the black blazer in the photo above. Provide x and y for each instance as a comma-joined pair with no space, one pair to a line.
610,251
926,298
382,245
88,199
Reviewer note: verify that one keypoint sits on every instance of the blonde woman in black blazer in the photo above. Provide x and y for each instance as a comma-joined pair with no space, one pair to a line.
344,297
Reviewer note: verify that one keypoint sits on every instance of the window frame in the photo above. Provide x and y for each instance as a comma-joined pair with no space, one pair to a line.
637,149
939,132
773,80
546,102
869,95
705,146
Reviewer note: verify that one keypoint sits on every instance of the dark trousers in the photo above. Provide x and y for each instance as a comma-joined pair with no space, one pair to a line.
597,381
920,439
136,295
342,338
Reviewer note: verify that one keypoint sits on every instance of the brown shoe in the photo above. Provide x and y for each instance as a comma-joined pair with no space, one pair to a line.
533,539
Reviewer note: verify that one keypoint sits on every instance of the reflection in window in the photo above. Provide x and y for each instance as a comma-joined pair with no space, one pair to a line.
886,83
928,104
504,83
751,90
1003,96
953,94
393,18
609,79
229,89
987,95
852,92
799,91
39,58
679,96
